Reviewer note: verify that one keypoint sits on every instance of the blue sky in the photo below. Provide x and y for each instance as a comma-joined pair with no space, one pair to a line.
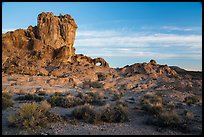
124,33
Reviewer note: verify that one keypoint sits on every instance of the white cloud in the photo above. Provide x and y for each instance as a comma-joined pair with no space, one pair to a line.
114,38
116,43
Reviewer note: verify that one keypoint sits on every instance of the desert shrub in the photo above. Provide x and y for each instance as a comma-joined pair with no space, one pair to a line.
188,115
86,113
152,103
31,97
53,117
94,84
41,93
64,101
97,98
94,98
166,115
116,113
117,96
186,120
167,119
6,100
31,116
191,100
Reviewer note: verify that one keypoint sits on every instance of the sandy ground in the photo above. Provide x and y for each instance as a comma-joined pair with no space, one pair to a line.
136,125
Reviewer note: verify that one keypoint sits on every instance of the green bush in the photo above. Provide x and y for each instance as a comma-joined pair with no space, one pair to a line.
86,113
31,97
6,100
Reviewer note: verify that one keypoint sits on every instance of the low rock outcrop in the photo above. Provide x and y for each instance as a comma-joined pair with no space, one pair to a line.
151,68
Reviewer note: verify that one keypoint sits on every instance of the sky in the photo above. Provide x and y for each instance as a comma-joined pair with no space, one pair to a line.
124,33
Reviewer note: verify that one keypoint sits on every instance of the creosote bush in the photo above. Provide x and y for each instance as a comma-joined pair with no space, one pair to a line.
32,116
6,100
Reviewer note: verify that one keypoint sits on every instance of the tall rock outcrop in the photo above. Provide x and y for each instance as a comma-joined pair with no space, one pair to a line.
43,48
57,31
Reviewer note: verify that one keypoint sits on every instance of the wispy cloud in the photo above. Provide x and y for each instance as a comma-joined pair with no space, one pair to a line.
175,28
148,54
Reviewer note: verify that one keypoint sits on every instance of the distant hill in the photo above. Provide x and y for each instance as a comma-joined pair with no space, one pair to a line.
193,74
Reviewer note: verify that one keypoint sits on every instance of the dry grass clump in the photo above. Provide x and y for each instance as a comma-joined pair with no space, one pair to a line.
6,100
30,97
32,116
93,84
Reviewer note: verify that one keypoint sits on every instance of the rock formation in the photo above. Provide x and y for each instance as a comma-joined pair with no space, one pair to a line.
46,45
57,32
